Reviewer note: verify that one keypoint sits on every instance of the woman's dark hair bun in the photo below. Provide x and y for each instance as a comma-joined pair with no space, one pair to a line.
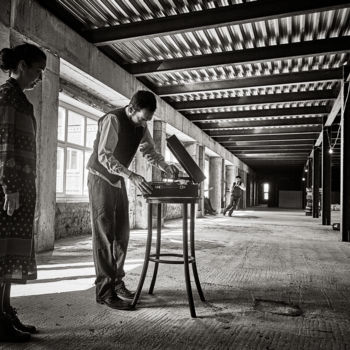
8,59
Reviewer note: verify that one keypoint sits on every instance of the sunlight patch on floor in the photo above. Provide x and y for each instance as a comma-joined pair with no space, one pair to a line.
79,279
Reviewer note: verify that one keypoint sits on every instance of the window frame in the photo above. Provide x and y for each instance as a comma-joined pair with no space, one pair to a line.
63,196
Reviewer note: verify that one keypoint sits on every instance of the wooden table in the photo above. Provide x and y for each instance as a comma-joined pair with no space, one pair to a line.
157,258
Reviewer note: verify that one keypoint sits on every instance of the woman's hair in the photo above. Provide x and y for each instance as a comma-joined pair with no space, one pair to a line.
9,58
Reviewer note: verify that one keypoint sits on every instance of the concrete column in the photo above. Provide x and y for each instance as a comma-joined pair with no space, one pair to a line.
241,173
215,182
245,181
230,178
326,177
309,173
223,180
193,149
316,182
345,168
141,167
159,137
201,160
249,192
45,100
4,32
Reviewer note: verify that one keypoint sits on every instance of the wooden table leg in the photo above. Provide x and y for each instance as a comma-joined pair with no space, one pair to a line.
193,253
146,261
186,264
159,230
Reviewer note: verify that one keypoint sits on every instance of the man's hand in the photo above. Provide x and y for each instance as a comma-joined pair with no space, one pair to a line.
11,203
141,183
172,171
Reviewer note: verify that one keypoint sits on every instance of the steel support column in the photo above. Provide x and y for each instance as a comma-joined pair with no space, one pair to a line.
326,177
309,173
316,182
345,167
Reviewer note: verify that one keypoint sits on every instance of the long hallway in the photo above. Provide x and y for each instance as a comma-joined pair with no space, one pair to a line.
273,279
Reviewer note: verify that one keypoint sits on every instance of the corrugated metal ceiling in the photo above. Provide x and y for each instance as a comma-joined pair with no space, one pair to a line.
308,27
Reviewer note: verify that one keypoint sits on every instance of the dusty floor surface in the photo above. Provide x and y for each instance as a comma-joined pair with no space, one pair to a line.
248,264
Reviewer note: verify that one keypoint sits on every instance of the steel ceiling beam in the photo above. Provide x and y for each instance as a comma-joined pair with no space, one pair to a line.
272,138
302,155
280,160
337,105
275,164
271,112
261,123
336,109
252,82
212,18
267,143
268,147
252,100
268,152
272,131
262,148
238,57
270,163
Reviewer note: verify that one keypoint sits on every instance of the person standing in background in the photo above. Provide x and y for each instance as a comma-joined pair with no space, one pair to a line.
236,194
25,63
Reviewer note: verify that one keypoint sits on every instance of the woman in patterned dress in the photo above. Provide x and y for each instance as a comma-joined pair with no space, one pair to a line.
25,64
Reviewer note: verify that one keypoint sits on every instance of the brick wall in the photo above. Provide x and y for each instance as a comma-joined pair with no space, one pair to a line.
173,211
73,219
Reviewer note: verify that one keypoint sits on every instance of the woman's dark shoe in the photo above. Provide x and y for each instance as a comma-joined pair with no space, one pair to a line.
9,333
12,313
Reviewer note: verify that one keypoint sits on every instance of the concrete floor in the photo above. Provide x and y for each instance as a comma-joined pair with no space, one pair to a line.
267,255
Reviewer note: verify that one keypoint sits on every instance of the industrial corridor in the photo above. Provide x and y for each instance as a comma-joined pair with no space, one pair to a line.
273,279
221,127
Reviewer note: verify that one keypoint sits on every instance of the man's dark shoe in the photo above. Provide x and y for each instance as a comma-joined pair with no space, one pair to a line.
115,303
12,314
9,333
123,292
